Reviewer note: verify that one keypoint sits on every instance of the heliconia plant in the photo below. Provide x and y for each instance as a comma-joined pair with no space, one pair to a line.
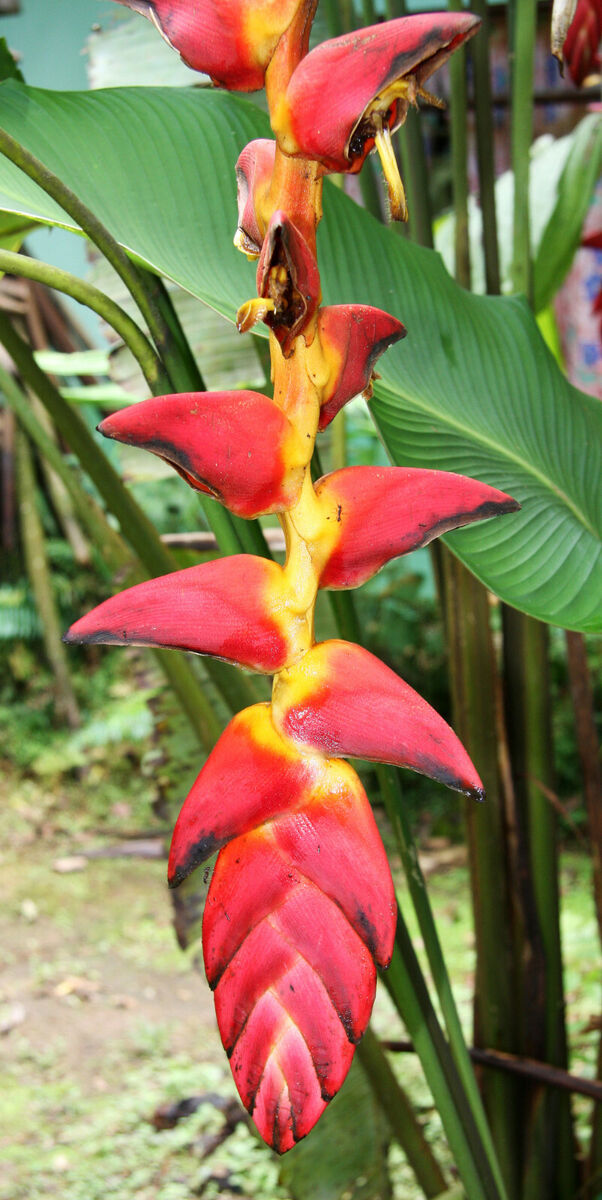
301,906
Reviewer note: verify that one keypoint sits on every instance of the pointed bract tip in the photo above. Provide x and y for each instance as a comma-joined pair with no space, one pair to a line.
181,866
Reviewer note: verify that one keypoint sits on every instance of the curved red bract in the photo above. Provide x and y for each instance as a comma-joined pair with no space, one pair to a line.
341,700
379,513
354,336
289,951
214,36
229,608
211,440
339,79
251,775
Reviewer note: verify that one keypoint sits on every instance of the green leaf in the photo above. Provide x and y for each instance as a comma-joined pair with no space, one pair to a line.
8,65
345,1158
562,234
472,389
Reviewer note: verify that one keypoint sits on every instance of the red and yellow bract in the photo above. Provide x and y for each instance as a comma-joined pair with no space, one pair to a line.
301,907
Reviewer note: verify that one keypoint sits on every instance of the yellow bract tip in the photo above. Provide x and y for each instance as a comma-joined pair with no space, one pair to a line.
251,312
396,193
245,245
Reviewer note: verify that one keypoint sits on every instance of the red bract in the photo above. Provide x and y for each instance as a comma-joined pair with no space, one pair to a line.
252,775
233,41
211,440
353,336
288,284
343,701
581,49
234,609
349,93
378,513
253,174
288,950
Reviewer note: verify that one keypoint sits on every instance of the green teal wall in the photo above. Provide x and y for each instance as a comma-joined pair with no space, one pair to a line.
50,36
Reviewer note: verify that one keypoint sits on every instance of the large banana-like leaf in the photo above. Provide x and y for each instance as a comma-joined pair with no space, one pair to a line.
472,389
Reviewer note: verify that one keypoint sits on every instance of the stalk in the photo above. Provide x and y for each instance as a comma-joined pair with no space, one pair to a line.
549,1167
62,281
485,146
475,691
459,146
405,983
136,527
416,176
390,789
476,710
400,1115
181,364
524,17
115,556
38,571
591,770
115,553
549,1164
413,161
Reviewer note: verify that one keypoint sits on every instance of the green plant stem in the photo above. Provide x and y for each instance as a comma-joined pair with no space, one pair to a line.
179,360
98,302
333,18
549,1163
474,684
390,789
524,13
591,773
38,571
369,188
115,555
405,982
479,49
136,527
549,1166
54,187
400,1115
339,442
477,720
413,160
459,149
60,498
416,180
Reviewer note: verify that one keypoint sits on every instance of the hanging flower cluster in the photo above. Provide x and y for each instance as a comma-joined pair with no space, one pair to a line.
301,906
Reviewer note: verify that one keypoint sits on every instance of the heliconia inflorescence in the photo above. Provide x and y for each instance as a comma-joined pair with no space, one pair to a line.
301,907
